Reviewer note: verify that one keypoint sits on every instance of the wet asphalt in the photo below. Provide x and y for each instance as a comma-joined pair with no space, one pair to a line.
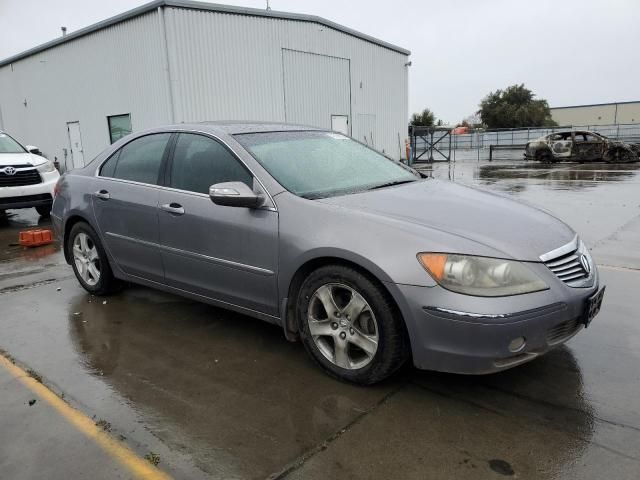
214,394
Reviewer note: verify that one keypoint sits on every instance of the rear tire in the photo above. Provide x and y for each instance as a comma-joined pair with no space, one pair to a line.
363,315
89,260
44,210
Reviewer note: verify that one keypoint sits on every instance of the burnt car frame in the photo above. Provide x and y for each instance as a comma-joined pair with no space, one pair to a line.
580,146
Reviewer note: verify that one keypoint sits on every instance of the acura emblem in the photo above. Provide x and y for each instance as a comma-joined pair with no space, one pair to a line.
9,170
585,263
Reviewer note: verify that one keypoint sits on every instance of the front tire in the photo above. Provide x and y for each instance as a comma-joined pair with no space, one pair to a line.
350,326
89,260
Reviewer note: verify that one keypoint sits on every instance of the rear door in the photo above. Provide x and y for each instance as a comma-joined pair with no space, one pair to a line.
225,253
125,202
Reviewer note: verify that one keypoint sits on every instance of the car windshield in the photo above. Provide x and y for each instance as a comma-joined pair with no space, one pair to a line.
317,164
9,145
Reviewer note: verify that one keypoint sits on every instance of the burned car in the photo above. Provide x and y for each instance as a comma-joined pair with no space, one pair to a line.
580,146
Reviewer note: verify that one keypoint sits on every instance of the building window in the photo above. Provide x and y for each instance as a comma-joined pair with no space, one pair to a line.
119,126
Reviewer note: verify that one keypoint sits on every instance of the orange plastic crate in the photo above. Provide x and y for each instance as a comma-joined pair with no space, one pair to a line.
35,238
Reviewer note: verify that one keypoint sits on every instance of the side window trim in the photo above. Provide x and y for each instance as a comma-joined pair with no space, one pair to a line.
167,161
167,150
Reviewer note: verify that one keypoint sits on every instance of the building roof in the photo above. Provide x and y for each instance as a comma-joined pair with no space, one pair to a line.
595,105
194,5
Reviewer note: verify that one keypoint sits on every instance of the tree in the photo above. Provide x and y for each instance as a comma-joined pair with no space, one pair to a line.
514,107
424,119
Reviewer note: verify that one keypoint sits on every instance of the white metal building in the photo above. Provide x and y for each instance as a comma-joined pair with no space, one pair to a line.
181,61
597,114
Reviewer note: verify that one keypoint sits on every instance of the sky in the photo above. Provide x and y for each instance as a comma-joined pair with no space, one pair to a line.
570,52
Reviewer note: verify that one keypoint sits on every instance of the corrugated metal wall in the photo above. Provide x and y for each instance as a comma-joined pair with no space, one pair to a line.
315,87
226,66
221,66
112,71
628,112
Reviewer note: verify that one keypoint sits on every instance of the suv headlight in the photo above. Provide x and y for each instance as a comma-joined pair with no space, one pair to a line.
480,276
46,167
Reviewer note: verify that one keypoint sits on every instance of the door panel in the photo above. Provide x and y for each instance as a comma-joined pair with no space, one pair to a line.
225,253
588,147
340,123
75,144
128,223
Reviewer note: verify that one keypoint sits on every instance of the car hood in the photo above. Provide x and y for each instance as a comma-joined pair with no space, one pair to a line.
516,230
20,159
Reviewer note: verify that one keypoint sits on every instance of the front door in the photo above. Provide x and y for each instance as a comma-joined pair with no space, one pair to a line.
225,253
125,203
75,144
587,147
340,123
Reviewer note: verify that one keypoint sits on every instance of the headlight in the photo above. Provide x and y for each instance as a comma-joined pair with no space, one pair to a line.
480,276
46,167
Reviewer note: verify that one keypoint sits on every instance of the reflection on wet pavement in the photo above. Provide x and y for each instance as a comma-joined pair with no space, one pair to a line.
244,399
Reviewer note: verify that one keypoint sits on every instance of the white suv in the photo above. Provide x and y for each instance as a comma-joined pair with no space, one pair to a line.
26,179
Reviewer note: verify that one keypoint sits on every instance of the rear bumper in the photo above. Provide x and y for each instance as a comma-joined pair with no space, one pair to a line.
27,196
461,341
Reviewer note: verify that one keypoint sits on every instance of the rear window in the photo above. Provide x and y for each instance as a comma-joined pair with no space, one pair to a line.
139,160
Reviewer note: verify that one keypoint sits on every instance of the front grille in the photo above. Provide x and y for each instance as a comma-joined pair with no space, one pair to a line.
571,263
20,178
563,331
568,267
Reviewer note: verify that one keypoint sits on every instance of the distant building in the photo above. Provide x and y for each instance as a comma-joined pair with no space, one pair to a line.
173,61
597,114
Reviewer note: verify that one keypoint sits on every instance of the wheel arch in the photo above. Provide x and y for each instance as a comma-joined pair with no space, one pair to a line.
72,220
370,270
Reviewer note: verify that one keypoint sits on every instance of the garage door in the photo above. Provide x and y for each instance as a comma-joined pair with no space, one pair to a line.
316,88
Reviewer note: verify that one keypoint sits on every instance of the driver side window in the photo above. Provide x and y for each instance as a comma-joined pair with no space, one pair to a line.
200,161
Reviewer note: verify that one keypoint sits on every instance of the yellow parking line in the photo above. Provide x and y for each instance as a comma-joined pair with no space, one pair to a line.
138,467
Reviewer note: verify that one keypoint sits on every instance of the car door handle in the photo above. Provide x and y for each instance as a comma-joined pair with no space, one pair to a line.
102,194
173,207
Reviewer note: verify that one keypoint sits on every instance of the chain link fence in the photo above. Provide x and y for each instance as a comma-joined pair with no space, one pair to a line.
520,136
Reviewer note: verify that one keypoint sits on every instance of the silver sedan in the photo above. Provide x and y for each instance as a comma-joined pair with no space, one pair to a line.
359,257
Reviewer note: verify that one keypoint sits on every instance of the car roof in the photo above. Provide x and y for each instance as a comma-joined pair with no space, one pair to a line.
240,127
568,132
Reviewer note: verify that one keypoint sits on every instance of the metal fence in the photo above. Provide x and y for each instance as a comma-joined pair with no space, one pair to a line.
520,136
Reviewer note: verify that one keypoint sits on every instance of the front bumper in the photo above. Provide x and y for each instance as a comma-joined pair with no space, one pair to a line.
462,334
27,196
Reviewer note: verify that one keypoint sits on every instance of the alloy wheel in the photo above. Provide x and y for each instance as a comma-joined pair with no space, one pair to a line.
86,258
343,326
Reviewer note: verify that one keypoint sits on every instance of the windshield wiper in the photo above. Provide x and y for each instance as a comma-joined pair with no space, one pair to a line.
390,184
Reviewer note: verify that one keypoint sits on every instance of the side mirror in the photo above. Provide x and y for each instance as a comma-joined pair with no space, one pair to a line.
235,194
33,149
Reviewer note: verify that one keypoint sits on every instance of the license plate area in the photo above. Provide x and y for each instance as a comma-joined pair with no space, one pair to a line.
592,307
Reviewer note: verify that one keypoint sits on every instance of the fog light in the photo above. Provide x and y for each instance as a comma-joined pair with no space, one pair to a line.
517,344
